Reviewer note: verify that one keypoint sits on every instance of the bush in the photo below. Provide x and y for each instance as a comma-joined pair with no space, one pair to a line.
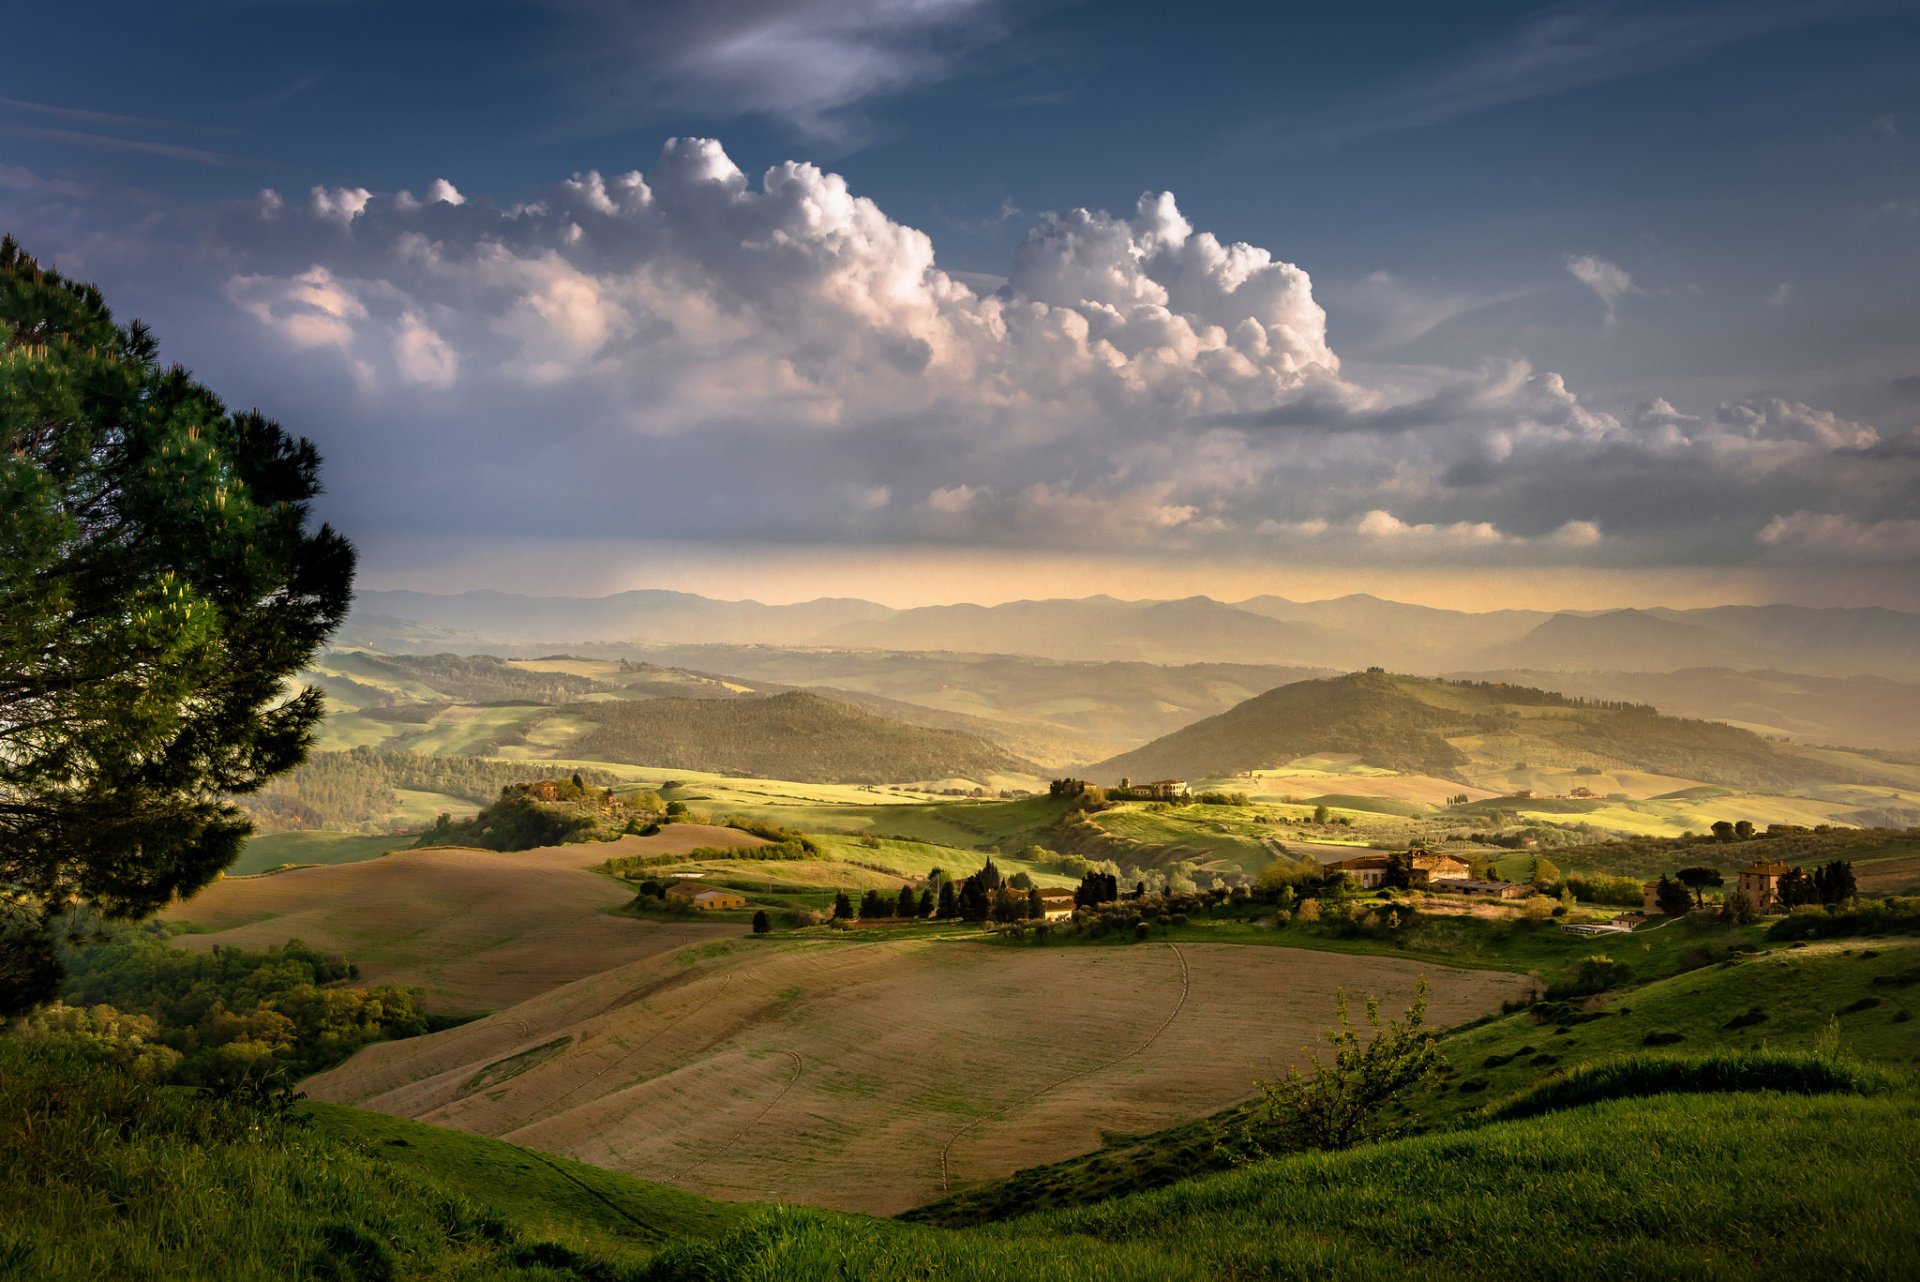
1794,1072
1594,973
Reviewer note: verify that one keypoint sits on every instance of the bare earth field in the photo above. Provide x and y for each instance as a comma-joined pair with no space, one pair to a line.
873,1076
479,930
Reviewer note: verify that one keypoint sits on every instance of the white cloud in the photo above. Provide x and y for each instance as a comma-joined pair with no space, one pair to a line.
809,64
775,358
1782,294
1775,419
1831,537
312,309
1609,281
1381,524
422,355
1577,534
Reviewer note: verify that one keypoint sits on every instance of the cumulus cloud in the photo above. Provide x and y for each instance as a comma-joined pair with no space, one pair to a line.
1833,537
1608,281
697,353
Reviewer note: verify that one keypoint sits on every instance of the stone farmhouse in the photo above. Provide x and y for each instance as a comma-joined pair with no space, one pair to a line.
705,898
1056,904
1760,883
1371,870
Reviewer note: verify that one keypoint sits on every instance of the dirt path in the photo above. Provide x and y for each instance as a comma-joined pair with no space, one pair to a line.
1186,988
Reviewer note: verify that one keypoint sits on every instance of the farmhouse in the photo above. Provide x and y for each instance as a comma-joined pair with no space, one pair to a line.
1164,789
1489,889
1760,883
1371,870
1056,904
705,898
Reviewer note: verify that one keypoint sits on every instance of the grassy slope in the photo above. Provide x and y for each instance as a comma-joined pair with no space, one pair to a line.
796,735
1483,735
1672,1186
1799,989
101,1177
269,851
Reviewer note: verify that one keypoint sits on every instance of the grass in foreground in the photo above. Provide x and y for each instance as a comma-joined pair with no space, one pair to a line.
101,1177
1727,1186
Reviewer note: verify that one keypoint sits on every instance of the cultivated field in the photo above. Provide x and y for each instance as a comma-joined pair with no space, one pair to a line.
478,929
873,1076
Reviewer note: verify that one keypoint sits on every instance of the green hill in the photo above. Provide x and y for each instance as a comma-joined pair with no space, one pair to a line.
797,736
1418,725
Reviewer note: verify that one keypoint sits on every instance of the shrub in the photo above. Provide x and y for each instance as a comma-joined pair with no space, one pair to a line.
1638,1074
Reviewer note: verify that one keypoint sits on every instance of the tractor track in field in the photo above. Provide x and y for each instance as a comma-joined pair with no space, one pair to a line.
553,1106
1186,988
799,1066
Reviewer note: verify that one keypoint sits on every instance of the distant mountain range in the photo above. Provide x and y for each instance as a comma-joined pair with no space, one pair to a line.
1350,632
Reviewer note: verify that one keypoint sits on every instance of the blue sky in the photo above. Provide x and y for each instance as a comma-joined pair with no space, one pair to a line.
1594,303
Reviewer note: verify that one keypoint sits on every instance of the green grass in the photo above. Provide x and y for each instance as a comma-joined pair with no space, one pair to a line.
104,1177
1801,991
267,852
1669,1187
537,1192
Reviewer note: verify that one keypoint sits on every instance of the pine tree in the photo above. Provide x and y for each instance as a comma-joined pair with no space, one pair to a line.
842,907
1671,897
926,904
761,922
1036,907
159,585
949,905
905,905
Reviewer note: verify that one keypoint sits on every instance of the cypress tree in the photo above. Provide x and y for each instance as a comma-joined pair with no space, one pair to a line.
949,905
905,906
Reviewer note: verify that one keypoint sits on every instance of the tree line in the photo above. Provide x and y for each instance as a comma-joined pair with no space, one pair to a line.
354,790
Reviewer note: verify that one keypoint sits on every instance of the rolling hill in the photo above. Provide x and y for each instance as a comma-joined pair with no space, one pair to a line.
797,735
1417,725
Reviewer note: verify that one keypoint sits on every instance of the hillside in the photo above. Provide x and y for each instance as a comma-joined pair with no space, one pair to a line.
745,1067
1859,711
1420,726
1051,710
797,736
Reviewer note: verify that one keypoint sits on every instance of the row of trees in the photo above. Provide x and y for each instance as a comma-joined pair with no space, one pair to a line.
985,896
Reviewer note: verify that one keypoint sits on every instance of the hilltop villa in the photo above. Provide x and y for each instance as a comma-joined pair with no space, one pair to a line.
1371,870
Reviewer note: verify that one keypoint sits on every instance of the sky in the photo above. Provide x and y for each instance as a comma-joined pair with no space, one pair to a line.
1575,305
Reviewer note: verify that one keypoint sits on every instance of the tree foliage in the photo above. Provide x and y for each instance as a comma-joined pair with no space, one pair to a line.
159,585
1344,1102
216,1018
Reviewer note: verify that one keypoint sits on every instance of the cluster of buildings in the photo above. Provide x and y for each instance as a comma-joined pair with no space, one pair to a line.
1429,872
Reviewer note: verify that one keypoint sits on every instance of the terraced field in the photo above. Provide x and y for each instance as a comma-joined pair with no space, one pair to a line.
872,1075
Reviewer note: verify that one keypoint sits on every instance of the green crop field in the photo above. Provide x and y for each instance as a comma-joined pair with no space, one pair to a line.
269,851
